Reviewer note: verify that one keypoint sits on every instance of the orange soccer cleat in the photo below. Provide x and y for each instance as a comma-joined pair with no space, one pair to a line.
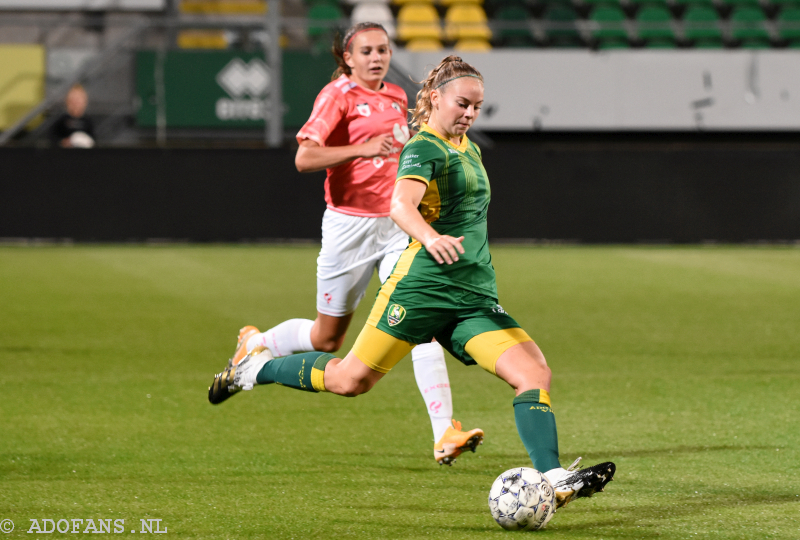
454,441
241,346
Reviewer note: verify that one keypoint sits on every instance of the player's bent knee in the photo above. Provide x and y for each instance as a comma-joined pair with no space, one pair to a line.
351,387
329,345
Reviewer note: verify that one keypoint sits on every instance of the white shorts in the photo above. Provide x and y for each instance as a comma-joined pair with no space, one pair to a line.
352,248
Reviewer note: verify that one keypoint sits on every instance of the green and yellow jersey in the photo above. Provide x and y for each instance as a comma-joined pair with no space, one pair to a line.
422,299
456,203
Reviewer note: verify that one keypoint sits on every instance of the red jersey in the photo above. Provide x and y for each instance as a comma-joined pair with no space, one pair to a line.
345,114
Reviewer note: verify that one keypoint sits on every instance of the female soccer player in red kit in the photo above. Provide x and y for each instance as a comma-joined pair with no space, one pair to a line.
356,131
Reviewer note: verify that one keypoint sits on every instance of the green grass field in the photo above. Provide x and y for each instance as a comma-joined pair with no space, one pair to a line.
682,365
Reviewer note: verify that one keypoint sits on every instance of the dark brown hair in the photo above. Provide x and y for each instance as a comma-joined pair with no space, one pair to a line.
449,69
342,44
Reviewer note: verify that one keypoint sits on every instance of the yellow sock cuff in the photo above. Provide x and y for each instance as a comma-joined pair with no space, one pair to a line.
318,379
541,396
544,397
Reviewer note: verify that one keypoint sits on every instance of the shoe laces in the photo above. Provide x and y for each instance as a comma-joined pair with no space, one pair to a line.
456,425
567,479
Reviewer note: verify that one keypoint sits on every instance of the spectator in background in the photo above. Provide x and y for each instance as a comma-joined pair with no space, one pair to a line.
74,129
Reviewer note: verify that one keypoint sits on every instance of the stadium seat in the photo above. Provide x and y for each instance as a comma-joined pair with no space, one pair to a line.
516,17
223,7
709,43
494,5
701,23
202,39
374,12
611,21
418,21
606,44
357,2
566,42
424,45
748,23
695,2
448,3
466,21
660,43
654,22
755,3
473,45
789,22
322,19
561,28
406,2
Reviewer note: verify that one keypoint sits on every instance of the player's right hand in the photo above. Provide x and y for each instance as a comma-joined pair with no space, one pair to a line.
378,146
445,248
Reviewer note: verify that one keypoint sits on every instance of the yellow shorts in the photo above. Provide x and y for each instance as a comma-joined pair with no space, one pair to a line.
381,352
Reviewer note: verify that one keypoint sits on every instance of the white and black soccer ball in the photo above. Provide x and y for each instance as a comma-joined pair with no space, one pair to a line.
522,499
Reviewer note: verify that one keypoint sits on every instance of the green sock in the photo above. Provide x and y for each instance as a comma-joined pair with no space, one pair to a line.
304,371
536,424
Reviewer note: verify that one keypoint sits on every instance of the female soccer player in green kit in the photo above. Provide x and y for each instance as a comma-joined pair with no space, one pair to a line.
443,286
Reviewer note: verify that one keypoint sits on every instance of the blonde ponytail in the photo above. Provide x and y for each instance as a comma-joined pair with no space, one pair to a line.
449,69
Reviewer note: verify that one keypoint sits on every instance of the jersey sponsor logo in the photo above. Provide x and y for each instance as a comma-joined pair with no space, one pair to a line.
396,106
498,309
363,109
378,162
401,133
396,314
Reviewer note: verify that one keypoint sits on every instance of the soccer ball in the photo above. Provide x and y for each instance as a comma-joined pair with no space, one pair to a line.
522,499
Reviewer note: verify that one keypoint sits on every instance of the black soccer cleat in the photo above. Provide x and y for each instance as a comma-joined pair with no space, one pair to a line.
242,376
223,386
583,482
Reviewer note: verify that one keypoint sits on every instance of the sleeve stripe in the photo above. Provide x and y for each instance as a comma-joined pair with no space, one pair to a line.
414,177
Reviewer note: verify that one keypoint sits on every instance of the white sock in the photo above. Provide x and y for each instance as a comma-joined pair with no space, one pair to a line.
434,385
289,337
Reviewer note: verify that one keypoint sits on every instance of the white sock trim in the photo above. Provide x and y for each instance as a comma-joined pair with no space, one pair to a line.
304,335
433,382
289,337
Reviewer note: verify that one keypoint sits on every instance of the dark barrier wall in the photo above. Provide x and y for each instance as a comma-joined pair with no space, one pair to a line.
587,191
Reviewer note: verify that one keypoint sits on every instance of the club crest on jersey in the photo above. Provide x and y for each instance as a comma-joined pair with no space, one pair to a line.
363,109
396,106
396,314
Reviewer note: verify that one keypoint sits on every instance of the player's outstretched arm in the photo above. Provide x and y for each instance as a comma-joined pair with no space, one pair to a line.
312,157
407,195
